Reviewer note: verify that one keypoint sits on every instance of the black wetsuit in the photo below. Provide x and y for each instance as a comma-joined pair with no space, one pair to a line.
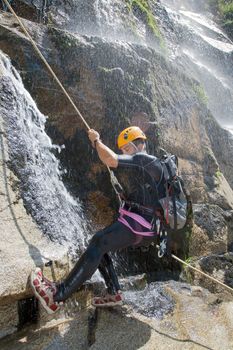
144,173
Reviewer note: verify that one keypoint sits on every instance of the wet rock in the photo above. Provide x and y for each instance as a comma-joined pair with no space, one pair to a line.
22,246
152,301
182,325
93,68
111,82
137,282
192,319
221,142
118,20
219,266
215,234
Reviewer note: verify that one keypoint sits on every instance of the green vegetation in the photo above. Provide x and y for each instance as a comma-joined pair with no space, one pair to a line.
199,90
187,271
188,260
218,174
142,8
63,40
224,10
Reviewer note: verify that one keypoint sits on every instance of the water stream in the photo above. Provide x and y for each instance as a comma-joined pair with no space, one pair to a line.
33,159
194,41
197,44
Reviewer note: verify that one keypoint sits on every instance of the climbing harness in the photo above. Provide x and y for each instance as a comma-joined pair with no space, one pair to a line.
114,181
136,223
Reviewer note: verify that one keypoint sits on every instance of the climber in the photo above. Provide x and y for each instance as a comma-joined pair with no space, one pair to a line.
137,224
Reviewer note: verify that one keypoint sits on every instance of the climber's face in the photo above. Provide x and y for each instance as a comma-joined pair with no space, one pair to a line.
130,148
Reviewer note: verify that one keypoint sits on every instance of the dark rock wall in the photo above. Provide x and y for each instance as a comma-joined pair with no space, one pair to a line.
113,85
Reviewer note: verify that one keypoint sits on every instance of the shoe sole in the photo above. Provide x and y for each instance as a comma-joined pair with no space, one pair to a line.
42,301
111,304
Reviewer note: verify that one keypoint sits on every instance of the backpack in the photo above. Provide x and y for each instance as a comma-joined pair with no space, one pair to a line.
177,204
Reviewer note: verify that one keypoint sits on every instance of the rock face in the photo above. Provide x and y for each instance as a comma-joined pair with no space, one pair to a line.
23,247
114,84
196,319
125,20
216,227
98,75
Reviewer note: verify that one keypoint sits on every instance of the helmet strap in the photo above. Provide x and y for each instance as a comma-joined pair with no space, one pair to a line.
131,143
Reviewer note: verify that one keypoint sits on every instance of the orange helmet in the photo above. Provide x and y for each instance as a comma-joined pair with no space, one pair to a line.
130,134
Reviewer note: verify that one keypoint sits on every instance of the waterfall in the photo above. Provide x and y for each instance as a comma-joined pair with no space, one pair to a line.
197,44
32,158
194,41
105,14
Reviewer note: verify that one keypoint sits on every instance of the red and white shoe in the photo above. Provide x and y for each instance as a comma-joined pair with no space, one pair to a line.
44,290
108,300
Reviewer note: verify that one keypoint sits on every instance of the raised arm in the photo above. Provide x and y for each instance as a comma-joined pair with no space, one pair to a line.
106,155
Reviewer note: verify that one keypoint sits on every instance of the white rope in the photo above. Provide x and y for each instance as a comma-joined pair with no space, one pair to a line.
199,271
202,273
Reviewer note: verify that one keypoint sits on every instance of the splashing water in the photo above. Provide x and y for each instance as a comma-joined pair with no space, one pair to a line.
32,158
152,301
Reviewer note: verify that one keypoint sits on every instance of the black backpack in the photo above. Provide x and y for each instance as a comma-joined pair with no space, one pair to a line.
177,204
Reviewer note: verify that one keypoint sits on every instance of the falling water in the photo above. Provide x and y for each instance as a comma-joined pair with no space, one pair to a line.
203,49
195,43
105,13
32,157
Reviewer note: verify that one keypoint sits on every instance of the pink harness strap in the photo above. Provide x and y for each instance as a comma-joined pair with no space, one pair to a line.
143,222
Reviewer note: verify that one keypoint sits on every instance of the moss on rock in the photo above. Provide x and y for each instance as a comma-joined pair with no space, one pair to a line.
143,10
224,10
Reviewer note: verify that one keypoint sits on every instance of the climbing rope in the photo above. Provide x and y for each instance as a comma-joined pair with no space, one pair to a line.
199,271
112,176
